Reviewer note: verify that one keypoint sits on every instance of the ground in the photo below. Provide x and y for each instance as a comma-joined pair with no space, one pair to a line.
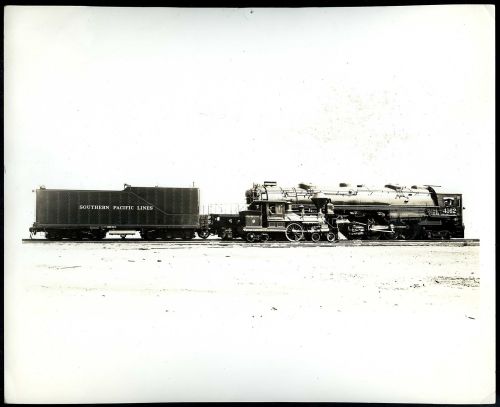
144,322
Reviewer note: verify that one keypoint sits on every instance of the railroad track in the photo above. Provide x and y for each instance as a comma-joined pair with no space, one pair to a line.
242,243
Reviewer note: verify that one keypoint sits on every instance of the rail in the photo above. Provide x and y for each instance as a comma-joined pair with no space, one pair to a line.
237,243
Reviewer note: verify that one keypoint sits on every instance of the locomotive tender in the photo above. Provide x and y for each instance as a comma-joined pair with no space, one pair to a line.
153,212
294,214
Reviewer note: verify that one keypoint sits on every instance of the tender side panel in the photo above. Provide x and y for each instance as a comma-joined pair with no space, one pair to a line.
173,206
169,207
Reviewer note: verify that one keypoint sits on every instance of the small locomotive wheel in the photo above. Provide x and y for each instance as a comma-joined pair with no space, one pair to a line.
203,234
330,236
251,237
315,237
294,232
264,237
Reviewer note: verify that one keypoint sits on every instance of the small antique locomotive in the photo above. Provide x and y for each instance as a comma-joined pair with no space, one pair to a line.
276,220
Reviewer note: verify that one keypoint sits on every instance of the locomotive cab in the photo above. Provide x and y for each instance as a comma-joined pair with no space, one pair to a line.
263,219
264,213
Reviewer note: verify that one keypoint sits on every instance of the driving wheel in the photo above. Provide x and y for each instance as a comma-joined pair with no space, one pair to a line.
294,232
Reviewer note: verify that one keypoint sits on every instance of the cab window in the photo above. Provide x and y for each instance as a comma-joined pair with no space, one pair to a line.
280,209
448,201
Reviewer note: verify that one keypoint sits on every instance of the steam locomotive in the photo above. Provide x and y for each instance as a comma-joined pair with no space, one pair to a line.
361,212
294,214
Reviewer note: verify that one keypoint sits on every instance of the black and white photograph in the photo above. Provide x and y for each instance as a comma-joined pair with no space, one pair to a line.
249,204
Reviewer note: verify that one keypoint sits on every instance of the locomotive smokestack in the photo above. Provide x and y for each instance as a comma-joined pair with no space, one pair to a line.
320,200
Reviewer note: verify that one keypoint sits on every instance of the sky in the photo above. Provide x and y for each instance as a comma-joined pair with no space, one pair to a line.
224,98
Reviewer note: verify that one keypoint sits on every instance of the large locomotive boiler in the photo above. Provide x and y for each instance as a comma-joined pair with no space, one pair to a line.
359,211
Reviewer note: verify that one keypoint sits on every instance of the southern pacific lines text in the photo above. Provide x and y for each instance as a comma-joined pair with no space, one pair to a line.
117,207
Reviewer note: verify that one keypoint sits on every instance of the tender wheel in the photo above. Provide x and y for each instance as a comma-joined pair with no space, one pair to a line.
97,234
315,237
149,235
53,236
76,236
251,237
264,237
203,233
294,232
330,236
